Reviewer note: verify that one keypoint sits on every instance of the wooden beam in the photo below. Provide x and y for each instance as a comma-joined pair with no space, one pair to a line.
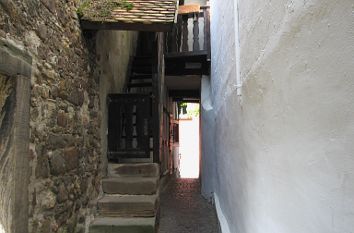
191,55
188,100
189,9
193,94
157,27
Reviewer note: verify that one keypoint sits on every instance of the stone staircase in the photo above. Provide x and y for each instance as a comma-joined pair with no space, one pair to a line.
131,200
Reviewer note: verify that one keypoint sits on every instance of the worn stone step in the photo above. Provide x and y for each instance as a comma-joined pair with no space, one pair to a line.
128,205
137,170
130,185
123,225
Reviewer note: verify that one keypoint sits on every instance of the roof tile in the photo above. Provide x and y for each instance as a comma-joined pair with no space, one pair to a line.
143,11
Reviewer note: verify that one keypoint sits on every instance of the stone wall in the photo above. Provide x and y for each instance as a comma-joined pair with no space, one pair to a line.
65,118
284,148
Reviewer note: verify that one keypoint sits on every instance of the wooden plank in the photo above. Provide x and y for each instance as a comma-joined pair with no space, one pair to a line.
145,84
179,34
128,126
156,27
141,76
155,113
140,126
21,153
207,45
17,64
194,55
114,126
189,100
184,93
185,33
188,9
196,46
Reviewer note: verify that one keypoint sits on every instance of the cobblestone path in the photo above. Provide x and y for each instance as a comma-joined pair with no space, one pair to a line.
183,209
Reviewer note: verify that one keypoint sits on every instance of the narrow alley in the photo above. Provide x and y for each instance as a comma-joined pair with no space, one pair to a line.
176,116
184,210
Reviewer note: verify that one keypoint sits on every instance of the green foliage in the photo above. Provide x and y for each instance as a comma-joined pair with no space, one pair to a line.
84,5
103,8
185,109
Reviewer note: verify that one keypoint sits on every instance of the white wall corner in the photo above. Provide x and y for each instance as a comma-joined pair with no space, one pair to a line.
224,225
206,94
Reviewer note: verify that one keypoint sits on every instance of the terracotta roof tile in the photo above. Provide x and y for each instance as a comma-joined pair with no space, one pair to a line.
143,11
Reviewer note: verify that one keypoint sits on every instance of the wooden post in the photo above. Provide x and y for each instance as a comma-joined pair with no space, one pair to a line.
185,33
17,64
196,46
207,31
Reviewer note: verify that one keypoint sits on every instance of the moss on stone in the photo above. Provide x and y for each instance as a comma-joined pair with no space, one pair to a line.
102,9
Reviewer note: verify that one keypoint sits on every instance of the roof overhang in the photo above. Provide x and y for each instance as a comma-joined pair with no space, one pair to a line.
134,15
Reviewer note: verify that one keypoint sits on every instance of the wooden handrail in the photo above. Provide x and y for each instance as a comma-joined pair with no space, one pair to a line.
178,39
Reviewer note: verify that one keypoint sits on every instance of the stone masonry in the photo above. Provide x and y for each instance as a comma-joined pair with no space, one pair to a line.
64,124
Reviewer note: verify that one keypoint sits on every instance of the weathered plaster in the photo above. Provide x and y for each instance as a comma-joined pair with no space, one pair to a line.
283,151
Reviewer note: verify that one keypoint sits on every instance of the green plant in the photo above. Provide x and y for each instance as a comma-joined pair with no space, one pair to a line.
84,5
188,109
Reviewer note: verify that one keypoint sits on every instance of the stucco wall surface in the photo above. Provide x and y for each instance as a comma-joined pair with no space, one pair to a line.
284,151
114,53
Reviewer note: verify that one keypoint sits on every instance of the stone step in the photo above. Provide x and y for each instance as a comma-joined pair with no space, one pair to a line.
128,205
134,169
130,185
123,225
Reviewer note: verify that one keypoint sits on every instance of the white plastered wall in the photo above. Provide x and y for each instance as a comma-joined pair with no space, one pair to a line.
283,151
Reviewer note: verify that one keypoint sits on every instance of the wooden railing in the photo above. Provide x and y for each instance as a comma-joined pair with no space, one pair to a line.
129,126
186,36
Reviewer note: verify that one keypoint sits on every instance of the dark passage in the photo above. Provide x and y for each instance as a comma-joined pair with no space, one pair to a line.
183,209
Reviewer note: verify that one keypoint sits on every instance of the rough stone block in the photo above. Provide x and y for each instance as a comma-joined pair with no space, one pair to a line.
123,225
128,205
71,156
136,170
130,185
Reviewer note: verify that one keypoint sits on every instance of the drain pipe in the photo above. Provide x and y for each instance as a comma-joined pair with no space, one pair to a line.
237,49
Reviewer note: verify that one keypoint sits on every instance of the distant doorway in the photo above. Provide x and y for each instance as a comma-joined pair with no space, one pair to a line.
189,147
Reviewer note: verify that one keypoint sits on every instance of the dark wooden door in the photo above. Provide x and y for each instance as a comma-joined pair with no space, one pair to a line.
129,126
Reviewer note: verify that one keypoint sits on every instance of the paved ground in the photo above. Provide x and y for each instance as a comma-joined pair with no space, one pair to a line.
183,210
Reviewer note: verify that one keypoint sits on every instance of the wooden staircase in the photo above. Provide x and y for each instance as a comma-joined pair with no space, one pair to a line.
140,80
131,200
